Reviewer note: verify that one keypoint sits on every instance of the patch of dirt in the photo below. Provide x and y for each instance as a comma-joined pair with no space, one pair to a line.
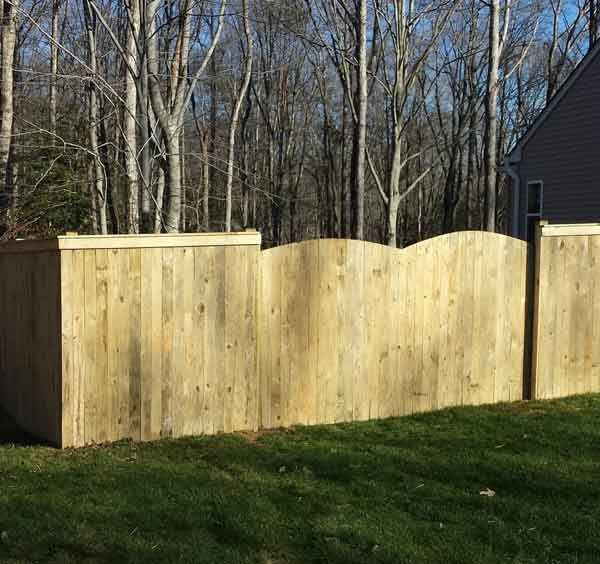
539,407
255,436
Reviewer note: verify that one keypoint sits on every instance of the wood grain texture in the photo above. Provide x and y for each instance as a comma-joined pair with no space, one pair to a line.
100,344
157,342
371,332
568,317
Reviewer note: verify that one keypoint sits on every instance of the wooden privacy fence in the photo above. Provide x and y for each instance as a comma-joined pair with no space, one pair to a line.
30,313
567,321
350,330
103,338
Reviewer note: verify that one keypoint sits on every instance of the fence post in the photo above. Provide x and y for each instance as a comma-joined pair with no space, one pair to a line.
533,312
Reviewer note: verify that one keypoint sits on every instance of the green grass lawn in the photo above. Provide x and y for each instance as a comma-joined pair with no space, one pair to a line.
400,490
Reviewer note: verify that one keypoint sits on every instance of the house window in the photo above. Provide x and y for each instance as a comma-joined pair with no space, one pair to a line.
534,198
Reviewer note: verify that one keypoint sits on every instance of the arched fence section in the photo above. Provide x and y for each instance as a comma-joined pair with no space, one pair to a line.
350,330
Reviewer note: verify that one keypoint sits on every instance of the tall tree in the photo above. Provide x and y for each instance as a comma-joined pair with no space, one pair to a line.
131,71
360,137
8,39
54,65
170,111
491,108
239,98
99,175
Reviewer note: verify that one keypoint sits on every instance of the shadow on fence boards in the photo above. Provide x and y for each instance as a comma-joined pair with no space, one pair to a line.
103,338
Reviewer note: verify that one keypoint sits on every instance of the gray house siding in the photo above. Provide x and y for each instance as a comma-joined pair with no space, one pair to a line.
564,153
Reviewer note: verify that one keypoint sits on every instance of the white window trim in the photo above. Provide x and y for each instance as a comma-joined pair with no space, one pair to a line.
541,212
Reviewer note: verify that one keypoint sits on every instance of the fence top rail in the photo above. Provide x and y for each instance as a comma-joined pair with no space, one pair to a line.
82,242
570,229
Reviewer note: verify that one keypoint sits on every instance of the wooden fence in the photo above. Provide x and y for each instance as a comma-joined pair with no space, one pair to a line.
352,330
30,372
103,338
146,336
567,325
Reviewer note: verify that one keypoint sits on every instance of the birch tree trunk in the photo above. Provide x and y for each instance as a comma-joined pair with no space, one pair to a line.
358,223
491,125
241,95
398,93
8,29
172,218
129,125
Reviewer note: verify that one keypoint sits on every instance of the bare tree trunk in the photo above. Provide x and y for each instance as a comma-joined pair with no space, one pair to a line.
12,180
160,191
8,29
93,199
183,217
343,230
212,145
358,223
144,111
173,214
99,175
398,97
394,189
205,182
53,66
491,104
129,125
241,95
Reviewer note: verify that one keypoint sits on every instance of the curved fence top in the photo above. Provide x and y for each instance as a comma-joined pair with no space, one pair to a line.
455,237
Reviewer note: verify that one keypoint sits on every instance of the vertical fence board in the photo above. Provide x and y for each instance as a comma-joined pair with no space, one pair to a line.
178,412
197,341
156,372
146,338
134,291
448,380
595,376
78,346
91,384
353,366
310,264
68,391
100,373
326,337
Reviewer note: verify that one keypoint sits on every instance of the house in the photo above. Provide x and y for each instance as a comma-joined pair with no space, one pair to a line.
555,167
